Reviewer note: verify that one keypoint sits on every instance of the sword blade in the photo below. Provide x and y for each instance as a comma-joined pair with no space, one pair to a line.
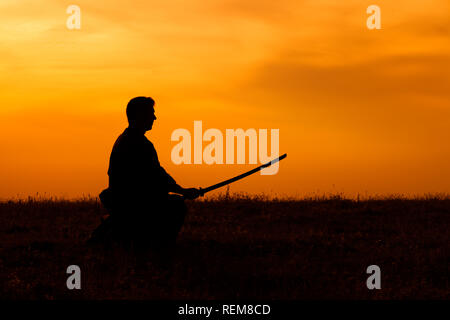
241,176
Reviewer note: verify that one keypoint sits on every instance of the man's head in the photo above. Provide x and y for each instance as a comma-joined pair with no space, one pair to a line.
141,113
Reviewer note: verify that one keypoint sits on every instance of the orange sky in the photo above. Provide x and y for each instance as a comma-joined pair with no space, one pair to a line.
359,111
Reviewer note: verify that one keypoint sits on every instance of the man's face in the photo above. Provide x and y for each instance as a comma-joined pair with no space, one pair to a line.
149,118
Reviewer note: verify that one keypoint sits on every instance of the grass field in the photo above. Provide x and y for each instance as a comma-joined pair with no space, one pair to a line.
237,248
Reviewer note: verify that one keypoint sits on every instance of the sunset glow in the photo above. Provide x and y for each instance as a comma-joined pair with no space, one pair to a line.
359,111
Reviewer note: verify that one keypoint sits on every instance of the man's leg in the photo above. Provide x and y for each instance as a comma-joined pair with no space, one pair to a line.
172,219
175,215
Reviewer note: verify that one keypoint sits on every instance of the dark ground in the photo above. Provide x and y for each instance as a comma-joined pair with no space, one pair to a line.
233,248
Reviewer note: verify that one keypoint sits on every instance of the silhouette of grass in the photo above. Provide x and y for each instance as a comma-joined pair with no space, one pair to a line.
237,246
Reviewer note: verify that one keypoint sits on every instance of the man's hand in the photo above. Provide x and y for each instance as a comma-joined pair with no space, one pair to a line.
191,193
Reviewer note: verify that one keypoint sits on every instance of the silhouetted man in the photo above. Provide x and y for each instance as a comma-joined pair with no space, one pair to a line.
141,209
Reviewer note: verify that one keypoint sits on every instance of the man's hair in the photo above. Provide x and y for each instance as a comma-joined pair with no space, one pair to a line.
137,106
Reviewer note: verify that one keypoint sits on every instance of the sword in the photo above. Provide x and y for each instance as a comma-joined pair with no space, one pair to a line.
241,176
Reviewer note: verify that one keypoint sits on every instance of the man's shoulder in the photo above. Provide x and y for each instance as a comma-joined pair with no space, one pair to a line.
129,139
147,141
128,136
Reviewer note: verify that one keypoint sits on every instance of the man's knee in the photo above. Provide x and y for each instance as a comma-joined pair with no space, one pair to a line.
176,205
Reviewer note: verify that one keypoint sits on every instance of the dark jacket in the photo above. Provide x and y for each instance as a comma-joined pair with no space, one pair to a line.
136,177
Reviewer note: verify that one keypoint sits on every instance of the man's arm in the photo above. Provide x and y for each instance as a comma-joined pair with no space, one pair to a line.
188,193
172,186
